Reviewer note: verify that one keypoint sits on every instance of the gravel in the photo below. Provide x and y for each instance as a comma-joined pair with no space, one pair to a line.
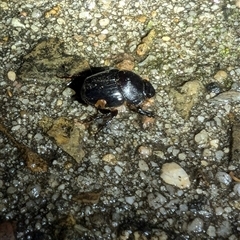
194,42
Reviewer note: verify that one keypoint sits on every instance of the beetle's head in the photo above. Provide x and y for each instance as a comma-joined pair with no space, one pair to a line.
148,89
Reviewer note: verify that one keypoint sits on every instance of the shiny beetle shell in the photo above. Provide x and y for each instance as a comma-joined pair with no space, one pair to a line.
113,88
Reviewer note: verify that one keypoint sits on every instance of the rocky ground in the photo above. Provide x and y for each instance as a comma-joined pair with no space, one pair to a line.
174,176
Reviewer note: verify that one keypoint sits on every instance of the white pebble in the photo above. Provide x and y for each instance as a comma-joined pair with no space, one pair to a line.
15,128
145,151
219,154
211,231
16,23
195,226
61,187
118,170
175,175
25,101
236,189
182,156
34,28
38,137
224,229
61,21
214,143
104,22
178,9
130,200
143,165
237,3
36,13
219,211
201,137
224,178
11,75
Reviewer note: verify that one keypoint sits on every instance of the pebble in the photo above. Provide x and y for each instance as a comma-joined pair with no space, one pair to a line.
59,102
118,170
16,23
102,37
38,137
226,97
174,174
104,22
223,177
143,165
110,158
214,143
145,151
236,189
15,128
237,3
166,38
201,137
11,75
36,13
220,76
224,229
196,225
61,21
211,231
11,190
130,199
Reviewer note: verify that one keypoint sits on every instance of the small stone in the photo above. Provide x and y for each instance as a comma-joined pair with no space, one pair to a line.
118,170
11,190
201,137
156,200
220,76
110,158
196,225
237,3
175,175
166,38
130,200
145,151
211,231
61,21
11,75
223,178
59,102
102,37
143,165
141,18
178,9
36,13
67,92
104,22
16,23
214,143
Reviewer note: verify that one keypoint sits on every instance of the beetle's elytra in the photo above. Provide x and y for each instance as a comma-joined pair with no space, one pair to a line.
108,88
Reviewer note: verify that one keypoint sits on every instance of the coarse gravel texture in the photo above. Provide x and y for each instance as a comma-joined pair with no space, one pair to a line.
193,41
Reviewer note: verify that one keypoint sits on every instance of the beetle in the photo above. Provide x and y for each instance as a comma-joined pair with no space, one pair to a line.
109,88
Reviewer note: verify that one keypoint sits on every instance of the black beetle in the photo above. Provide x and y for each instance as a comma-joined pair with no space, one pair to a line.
108,88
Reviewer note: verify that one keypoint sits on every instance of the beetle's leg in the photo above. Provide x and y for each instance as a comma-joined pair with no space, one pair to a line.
144,112
138,109
108,115
107,118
